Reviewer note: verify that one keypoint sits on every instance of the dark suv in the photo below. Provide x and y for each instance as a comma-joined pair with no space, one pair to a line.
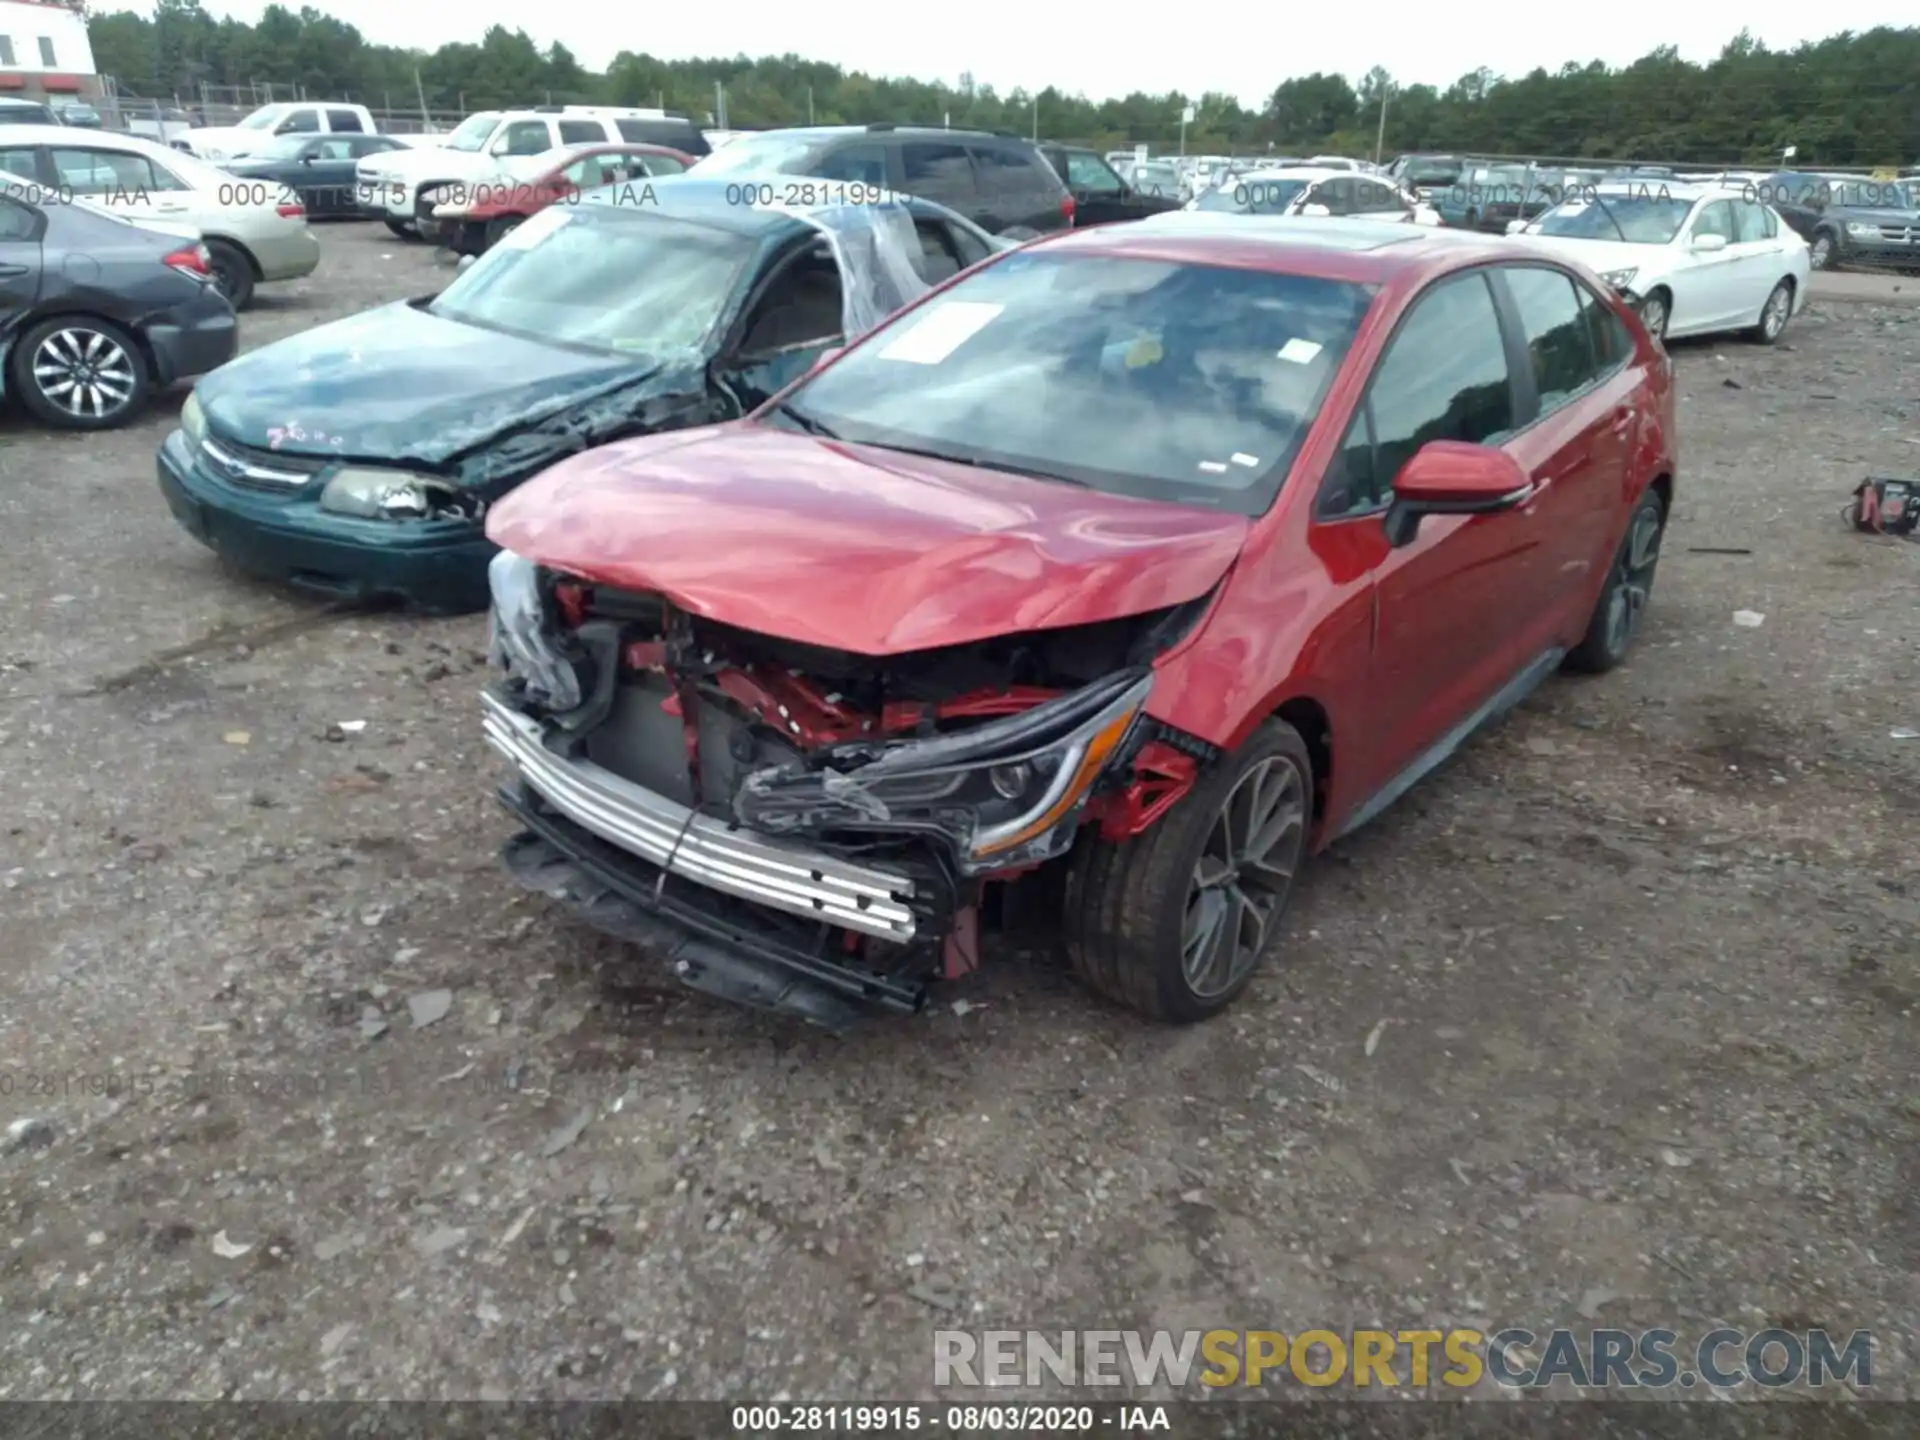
1000,182
1848,217
1100,196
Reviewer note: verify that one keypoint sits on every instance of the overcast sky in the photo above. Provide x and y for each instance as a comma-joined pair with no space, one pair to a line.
1244,51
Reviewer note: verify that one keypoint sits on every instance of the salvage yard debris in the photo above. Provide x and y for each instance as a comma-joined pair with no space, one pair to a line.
1886,507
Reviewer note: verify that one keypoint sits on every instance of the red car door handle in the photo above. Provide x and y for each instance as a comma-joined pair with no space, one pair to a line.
1623,418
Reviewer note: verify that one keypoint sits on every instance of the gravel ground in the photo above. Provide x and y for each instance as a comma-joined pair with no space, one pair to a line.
335,1111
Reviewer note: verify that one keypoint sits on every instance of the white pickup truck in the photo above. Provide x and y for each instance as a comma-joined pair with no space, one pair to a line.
305,117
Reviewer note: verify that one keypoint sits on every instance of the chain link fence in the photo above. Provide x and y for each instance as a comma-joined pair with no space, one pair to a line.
165,117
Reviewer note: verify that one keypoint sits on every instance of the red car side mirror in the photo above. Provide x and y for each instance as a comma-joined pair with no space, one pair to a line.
827,357
1451,477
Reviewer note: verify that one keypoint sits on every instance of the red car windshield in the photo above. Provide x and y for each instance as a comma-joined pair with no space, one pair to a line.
1189,383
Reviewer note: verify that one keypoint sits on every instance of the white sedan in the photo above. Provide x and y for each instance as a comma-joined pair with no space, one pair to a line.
1695,259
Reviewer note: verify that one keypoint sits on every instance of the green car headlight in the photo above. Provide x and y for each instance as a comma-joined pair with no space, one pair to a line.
191,420
392,495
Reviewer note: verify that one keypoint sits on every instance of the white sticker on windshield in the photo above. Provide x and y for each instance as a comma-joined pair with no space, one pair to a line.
1300,351
1213,467
537,227
1247,460
941,331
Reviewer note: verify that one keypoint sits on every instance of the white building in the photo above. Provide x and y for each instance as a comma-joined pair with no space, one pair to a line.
44,52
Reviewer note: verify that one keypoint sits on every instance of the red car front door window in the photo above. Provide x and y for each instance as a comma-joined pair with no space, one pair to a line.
1577,451
1447,607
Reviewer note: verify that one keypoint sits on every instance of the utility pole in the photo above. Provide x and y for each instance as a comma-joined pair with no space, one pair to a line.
809,105
420,93
1036,119
719,106
1380,135
1186,119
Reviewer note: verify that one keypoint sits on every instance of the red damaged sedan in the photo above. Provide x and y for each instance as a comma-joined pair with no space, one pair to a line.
481,215
1151,557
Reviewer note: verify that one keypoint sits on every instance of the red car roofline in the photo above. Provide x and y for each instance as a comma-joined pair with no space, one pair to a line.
1419,257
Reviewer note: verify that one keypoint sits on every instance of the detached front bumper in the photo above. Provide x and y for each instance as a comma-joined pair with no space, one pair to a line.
798,880
616,855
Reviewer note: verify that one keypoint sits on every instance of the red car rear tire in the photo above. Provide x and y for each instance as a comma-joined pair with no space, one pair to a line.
1622,604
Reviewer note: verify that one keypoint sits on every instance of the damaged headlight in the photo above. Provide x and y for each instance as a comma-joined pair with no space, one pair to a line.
191,420
390,495
519,637
1620,279
1001,791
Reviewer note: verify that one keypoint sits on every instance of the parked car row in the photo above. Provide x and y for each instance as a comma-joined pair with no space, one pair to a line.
1731,265
254,233
1844,218
404,188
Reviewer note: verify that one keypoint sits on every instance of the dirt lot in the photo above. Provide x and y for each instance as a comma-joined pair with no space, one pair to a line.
1646,960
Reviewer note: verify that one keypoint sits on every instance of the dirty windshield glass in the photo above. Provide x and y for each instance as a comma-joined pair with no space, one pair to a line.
1633,219
1179,382
631,282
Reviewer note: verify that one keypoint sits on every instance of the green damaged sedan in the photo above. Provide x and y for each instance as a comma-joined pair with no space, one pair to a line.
357,460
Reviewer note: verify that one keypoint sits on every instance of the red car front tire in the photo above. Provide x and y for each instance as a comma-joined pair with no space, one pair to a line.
1174,923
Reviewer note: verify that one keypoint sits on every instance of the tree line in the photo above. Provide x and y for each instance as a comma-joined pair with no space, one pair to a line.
1849,100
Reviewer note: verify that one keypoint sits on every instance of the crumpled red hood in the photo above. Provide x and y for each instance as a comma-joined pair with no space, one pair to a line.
855,547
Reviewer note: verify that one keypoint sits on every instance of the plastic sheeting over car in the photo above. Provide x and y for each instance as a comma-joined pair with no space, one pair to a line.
874,244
